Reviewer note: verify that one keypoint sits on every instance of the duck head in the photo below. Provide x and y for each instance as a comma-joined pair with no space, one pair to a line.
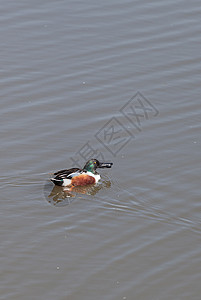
93,164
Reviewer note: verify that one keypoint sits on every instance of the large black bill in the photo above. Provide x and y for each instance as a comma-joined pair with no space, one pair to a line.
105,165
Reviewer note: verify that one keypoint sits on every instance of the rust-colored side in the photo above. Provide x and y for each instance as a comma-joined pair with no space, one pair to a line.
82,179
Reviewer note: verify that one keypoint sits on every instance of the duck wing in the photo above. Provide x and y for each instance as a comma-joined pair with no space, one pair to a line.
66,172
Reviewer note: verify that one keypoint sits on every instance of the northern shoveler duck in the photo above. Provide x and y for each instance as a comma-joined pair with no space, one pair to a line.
80,177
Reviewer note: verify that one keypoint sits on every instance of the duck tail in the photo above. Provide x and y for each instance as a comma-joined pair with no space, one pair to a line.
57,181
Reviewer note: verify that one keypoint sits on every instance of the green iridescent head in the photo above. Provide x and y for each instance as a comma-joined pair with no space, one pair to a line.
92,164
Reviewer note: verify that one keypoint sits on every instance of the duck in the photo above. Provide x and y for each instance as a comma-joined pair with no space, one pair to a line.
80,177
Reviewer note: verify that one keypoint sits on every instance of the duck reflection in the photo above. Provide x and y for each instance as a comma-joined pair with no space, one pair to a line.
61,196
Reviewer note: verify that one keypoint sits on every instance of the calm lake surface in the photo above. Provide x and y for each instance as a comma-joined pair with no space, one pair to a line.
119,81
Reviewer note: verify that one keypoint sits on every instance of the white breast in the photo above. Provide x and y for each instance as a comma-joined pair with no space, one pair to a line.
96,176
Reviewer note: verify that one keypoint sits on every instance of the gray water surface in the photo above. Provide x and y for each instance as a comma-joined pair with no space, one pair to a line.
67,73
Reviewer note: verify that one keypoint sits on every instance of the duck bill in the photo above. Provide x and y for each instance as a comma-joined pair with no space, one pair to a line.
105,165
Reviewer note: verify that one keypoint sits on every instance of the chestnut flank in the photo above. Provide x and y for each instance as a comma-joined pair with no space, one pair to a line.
82,179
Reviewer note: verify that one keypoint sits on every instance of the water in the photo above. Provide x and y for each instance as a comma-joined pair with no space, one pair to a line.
67,71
